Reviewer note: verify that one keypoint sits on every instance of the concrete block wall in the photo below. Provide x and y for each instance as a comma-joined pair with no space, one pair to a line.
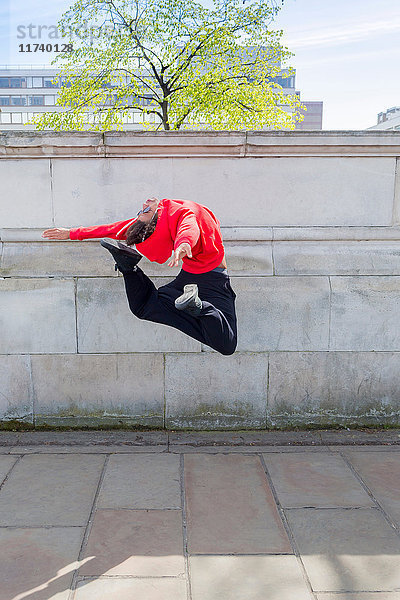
311,223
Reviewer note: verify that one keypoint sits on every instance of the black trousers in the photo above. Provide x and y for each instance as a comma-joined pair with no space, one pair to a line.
215,326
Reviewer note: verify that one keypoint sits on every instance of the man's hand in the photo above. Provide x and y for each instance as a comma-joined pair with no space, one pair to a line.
58,233
181,251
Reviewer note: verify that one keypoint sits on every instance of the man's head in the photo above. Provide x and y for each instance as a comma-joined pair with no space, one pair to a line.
145,223
148,210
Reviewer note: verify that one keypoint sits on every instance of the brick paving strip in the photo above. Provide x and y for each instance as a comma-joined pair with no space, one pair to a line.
304,515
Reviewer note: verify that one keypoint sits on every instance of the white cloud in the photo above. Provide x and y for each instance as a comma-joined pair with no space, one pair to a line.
341,34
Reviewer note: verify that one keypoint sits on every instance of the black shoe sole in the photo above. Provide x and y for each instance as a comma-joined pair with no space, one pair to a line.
126,259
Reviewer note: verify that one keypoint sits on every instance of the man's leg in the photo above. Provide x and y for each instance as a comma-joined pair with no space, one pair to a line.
217,318
216,325
158,305
218,315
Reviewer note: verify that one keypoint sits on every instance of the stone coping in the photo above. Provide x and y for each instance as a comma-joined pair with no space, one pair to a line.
243,234
250,438
185,144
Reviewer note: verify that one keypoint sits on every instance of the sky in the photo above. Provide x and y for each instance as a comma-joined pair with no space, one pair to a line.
346,52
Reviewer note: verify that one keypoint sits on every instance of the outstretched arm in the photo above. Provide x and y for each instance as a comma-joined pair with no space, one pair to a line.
116,231
58,233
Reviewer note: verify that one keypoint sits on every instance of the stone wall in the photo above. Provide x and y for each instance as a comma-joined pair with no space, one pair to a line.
311,224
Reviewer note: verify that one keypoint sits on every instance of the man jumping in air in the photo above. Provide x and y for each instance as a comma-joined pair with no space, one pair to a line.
199,301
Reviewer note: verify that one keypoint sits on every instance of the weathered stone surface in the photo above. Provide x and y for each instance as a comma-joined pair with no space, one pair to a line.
381,473
84,449
50,490
202,401
360,596
337,258
182,449
135,542
154,588
333,388
87,187
288,191
365,313
90,439
90,192
282,313
250,524
243,439
6,462
320,480
249,258
259,233
37,315
347,549
106,324
16,399
107,387
88,259
127,483
26,193
38,562
44,259
247,578
326,234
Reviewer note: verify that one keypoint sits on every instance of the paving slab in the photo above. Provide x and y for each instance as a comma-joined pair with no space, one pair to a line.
144,481
230,506
317,479
347,550
38,563
61,490
167,588
247,578
381,473
135,542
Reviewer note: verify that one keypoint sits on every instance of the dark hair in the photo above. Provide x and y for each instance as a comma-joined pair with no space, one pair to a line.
139,231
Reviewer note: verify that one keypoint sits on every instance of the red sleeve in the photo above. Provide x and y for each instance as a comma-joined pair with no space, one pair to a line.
187,229
116,231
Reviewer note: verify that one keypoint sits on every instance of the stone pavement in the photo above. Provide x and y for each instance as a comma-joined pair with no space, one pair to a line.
200,516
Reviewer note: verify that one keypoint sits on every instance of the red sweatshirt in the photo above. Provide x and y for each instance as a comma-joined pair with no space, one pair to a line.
178,221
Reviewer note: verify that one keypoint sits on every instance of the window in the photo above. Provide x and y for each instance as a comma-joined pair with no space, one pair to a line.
49,100
5,117
18,100
17,82
4,100
37,82
36,101
4,82
51,82
16,117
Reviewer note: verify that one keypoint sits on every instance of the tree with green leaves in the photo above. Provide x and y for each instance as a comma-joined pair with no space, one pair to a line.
190,64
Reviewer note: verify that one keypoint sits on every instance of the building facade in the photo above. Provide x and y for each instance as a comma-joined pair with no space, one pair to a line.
389,120
28,91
